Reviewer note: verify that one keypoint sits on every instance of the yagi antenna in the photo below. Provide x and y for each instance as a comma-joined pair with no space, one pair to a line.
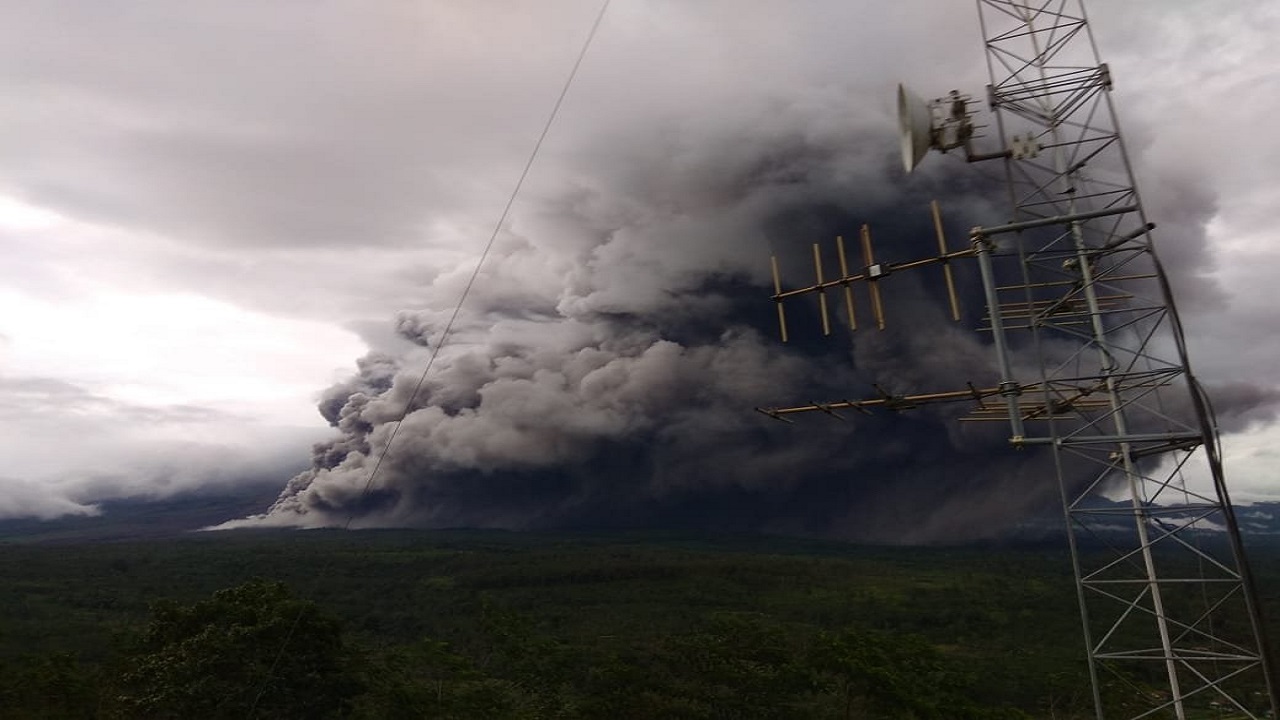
872,273
848,291
777,292
946,265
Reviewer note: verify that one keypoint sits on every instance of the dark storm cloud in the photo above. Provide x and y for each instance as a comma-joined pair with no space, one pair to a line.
605,370
1240,405
574,392
348,161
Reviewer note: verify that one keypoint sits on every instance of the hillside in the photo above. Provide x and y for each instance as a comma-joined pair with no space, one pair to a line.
593,626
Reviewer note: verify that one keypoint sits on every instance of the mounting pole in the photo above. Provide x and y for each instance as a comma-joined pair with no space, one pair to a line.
1009,388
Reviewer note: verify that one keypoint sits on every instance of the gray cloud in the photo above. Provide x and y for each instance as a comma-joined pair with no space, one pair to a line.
604,371
259,148
26,499
35,397
347,164
566,362
76,447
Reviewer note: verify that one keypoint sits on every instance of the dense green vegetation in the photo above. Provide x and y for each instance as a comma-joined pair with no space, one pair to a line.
495,625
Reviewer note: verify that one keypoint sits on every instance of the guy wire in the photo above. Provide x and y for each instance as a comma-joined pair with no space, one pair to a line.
448,328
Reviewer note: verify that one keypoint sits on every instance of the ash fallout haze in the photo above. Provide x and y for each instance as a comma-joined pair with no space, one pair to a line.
218,217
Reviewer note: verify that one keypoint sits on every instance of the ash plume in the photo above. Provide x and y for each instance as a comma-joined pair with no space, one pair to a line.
604,368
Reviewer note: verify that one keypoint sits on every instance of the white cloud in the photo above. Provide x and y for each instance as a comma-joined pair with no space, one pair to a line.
1252,463
112,385
162,349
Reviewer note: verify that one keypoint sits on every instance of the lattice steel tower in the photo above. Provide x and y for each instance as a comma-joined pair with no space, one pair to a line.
1093,370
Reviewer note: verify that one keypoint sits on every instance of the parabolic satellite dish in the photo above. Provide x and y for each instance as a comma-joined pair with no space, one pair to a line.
915,121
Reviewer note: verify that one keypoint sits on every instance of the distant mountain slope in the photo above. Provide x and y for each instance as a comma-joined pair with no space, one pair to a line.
141,519
178,515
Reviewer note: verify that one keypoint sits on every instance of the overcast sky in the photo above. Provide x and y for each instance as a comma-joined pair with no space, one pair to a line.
210,210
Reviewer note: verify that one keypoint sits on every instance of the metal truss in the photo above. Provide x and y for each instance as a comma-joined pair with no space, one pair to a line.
1093,370
1171,622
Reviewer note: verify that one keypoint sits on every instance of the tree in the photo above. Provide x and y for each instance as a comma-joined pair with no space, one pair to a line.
428,679
250,651
736,665
884,675
47,686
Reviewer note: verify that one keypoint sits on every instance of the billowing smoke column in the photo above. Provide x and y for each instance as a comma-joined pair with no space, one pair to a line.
604,368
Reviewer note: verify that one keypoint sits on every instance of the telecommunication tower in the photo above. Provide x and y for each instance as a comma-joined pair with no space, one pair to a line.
1093,370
